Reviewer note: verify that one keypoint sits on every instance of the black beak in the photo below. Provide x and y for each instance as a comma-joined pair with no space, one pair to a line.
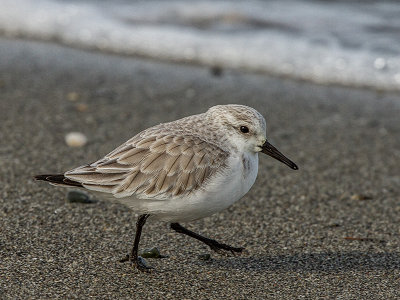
267,148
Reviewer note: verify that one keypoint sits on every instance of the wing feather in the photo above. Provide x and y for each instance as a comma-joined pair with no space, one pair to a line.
133,156
168,184
114,167
154,162
174,149
156,166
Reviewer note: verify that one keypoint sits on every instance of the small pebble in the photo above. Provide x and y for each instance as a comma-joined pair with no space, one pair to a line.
72,96
79,197
151,253
82,107
75,139
360,197
216,71
205,256
144,262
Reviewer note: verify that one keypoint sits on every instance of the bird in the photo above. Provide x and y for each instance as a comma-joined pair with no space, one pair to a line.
180,171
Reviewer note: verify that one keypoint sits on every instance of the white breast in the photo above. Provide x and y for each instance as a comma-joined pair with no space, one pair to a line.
220,192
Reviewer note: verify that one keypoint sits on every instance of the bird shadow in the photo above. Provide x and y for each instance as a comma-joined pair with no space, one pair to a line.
313,262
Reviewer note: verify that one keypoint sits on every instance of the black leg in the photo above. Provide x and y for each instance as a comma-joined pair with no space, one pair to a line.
134,258
213,244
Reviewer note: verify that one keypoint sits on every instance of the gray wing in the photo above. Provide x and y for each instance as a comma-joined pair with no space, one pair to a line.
158,167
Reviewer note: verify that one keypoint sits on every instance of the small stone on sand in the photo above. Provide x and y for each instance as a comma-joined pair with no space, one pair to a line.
75,139
79,197
82,107
151,253
360,197
216,71
72,96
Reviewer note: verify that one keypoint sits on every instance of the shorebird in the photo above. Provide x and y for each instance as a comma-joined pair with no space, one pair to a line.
181,171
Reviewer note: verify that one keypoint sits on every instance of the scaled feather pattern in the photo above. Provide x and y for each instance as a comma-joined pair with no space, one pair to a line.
163,161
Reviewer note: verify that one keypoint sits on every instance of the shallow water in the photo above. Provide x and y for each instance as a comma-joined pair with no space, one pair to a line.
353,43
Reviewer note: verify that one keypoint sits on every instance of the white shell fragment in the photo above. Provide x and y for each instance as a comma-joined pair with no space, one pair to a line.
75,139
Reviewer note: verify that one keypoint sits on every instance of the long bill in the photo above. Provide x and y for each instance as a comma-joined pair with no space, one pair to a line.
270,150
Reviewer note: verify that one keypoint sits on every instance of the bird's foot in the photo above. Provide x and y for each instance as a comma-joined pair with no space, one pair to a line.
146,253
139,263
223,248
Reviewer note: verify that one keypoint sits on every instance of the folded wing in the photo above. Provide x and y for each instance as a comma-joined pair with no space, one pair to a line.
153,167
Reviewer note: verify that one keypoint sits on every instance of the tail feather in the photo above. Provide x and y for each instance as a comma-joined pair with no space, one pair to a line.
58,179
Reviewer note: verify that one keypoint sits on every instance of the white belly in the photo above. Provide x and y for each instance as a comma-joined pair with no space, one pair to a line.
219,193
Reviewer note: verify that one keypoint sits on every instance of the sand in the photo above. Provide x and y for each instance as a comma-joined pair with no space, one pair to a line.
329,230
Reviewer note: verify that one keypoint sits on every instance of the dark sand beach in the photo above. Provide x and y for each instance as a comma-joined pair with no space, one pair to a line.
329,230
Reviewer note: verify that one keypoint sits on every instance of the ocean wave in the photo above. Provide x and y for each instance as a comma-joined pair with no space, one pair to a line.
329,42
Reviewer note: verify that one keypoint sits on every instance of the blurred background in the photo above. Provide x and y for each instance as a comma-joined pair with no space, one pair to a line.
352,43
78,78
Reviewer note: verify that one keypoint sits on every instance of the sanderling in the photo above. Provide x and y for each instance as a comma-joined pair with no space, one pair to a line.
182,170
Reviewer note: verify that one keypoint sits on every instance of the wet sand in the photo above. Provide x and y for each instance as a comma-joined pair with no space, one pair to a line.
329,230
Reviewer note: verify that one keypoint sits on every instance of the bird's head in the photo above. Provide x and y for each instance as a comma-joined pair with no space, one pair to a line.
246,130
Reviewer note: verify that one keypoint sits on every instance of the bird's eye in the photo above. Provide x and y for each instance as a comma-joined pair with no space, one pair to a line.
244,129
